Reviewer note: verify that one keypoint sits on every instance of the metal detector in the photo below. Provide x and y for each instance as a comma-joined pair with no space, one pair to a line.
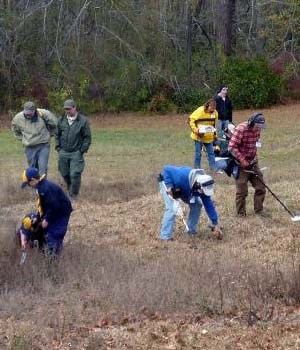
294,217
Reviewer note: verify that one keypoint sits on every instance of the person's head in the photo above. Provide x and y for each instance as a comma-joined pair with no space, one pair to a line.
210,106
70,108
203,184
223,90
229,130
30,177
257,121
29,109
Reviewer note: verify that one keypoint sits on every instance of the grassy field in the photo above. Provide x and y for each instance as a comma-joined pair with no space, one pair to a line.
118,287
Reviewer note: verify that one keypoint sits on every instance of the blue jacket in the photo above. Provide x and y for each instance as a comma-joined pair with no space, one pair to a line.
177,177
54,203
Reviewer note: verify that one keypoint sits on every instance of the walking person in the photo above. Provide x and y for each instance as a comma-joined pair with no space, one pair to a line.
193,187
243,147
54,208
203,122
224,108
73,139
34,127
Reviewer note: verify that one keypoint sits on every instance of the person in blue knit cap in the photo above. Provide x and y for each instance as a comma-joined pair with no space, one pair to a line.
54,208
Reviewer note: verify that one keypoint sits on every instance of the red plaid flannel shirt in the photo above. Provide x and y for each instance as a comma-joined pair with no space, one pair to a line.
243,142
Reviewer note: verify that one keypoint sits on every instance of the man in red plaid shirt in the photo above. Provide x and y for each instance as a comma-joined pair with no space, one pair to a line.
243,147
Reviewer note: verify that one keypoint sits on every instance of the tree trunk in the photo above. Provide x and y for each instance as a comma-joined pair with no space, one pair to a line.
225,14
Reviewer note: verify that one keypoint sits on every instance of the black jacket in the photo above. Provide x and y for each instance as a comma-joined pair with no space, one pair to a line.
224,108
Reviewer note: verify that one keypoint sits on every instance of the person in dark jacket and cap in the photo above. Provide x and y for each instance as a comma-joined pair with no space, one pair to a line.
223,107
54,208
73,140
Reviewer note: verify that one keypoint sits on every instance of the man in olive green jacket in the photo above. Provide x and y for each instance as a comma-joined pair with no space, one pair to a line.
34,127
73,139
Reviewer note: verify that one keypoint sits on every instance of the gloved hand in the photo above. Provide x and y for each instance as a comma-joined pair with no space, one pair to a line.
217,149
57,148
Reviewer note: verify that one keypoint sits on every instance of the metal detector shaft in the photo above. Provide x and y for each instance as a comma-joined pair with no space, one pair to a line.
273,194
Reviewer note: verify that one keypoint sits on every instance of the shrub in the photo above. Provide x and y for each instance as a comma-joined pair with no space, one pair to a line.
252,82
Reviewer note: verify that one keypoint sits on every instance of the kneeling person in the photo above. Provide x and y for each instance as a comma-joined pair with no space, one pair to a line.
31,231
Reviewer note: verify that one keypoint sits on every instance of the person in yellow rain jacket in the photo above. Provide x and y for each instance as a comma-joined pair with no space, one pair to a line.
203,122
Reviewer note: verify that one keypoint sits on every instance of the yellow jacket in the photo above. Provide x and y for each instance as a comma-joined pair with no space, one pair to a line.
200,117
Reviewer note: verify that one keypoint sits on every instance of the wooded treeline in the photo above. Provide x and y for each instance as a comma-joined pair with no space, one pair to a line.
157,55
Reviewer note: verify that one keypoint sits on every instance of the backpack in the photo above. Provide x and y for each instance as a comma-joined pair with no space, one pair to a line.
51,129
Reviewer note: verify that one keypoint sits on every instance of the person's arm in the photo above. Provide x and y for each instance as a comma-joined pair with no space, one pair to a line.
234,145
51,121
15,127
58,135
87,138
229,110
168,180
193,119
210,209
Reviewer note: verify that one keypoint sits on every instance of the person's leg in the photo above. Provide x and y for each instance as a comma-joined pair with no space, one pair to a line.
198,151
43,158
260,190
210,155
220,125
225,124
76,168
32,156
56,232
168,221
193,219
64,167
241,193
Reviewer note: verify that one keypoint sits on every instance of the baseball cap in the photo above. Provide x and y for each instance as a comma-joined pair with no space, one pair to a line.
69,104
259,119
28,175
29,107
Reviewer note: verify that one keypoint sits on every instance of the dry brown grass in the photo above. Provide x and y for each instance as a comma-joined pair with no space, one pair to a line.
117,286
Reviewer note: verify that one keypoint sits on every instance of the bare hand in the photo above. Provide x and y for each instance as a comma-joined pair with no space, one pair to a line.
23,241
245,163
44,223
218,231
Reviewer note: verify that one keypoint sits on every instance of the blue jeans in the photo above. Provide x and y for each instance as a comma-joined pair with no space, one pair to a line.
210,155
169,216
38,156
223,124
